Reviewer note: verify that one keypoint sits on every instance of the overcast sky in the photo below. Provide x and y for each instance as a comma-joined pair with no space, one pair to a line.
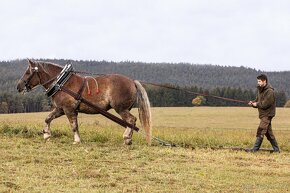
251,33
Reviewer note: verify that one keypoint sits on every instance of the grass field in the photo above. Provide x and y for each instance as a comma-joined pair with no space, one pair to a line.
101,163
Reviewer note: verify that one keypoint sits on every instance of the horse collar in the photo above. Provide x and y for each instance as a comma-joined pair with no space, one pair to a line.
61,79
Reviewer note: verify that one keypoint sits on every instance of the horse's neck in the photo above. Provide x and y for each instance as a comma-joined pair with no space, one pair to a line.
51,71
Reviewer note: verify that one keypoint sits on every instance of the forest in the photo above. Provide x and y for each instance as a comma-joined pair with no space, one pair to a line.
230,82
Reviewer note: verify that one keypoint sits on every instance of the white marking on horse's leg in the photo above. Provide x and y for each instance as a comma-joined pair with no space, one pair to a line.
77,138
46,136
127,136
54,114
75,128
46,131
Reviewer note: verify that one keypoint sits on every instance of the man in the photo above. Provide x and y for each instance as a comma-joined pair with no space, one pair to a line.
266,104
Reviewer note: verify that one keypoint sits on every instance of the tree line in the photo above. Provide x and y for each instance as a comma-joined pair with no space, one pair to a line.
225,81
17,103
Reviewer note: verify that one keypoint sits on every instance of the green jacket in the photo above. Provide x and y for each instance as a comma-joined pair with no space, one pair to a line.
266,101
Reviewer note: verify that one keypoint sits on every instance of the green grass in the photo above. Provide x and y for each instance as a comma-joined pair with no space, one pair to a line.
101,163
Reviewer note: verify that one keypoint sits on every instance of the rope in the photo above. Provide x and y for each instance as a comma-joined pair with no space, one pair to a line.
90,73
176,88
160,141
196,93
169,144
241,149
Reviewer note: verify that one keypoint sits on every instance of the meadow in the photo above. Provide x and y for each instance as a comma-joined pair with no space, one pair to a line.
101,163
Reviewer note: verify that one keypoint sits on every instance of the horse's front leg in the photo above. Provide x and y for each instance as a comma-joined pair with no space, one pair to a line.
57,112
73,120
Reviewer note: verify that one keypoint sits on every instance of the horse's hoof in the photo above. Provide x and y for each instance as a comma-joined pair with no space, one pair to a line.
128,141
46,136
76,142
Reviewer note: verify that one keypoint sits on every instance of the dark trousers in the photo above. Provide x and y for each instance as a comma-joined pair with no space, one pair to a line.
265,128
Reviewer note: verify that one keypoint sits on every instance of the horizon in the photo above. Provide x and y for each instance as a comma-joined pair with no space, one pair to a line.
174,63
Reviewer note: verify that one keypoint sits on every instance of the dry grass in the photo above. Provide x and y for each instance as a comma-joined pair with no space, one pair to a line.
101,163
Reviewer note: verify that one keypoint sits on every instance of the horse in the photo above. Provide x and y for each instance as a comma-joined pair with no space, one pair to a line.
111,91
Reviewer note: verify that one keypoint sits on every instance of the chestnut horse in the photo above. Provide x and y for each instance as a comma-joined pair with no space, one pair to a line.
107,91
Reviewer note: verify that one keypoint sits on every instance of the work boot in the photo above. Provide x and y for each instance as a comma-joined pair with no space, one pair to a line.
274,145
257,145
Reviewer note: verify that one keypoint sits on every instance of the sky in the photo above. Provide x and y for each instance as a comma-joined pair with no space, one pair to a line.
249,33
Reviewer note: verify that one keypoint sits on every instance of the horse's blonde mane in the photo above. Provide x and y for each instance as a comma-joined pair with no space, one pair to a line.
49,63
46,65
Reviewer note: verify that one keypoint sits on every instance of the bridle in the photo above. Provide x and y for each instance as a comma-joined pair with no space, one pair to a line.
35,71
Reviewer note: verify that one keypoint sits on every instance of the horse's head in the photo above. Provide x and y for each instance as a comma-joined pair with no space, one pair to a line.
30,78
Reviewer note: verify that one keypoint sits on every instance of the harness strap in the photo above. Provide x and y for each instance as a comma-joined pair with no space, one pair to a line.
59,86
100,110
81,89
79,94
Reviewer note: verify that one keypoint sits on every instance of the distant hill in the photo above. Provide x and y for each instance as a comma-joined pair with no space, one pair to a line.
182,74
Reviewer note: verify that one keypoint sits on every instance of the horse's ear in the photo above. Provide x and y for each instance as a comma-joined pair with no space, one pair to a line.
30,62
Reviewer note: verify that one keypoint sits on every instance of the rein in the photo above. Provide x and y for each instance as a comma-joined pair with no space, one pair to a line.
196,93
176,88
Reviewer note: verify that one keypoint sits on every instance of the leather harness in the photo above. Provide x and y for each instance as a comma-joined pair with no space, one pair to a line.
58,85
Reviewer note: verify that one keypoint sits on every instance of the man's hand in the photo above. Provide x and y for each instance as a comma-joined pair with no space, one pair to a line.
253,104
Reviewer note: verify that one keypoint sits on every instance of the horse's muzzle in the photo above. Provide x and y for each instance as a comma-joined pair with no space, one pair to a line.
20,87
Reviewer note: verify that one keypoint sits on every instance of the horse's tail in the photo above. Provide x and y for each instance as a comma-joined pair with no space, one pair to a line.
144,110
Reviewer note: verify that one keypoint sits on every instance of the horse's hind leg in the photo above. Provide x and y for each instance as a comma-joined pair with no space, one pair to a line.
57,112
128,117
